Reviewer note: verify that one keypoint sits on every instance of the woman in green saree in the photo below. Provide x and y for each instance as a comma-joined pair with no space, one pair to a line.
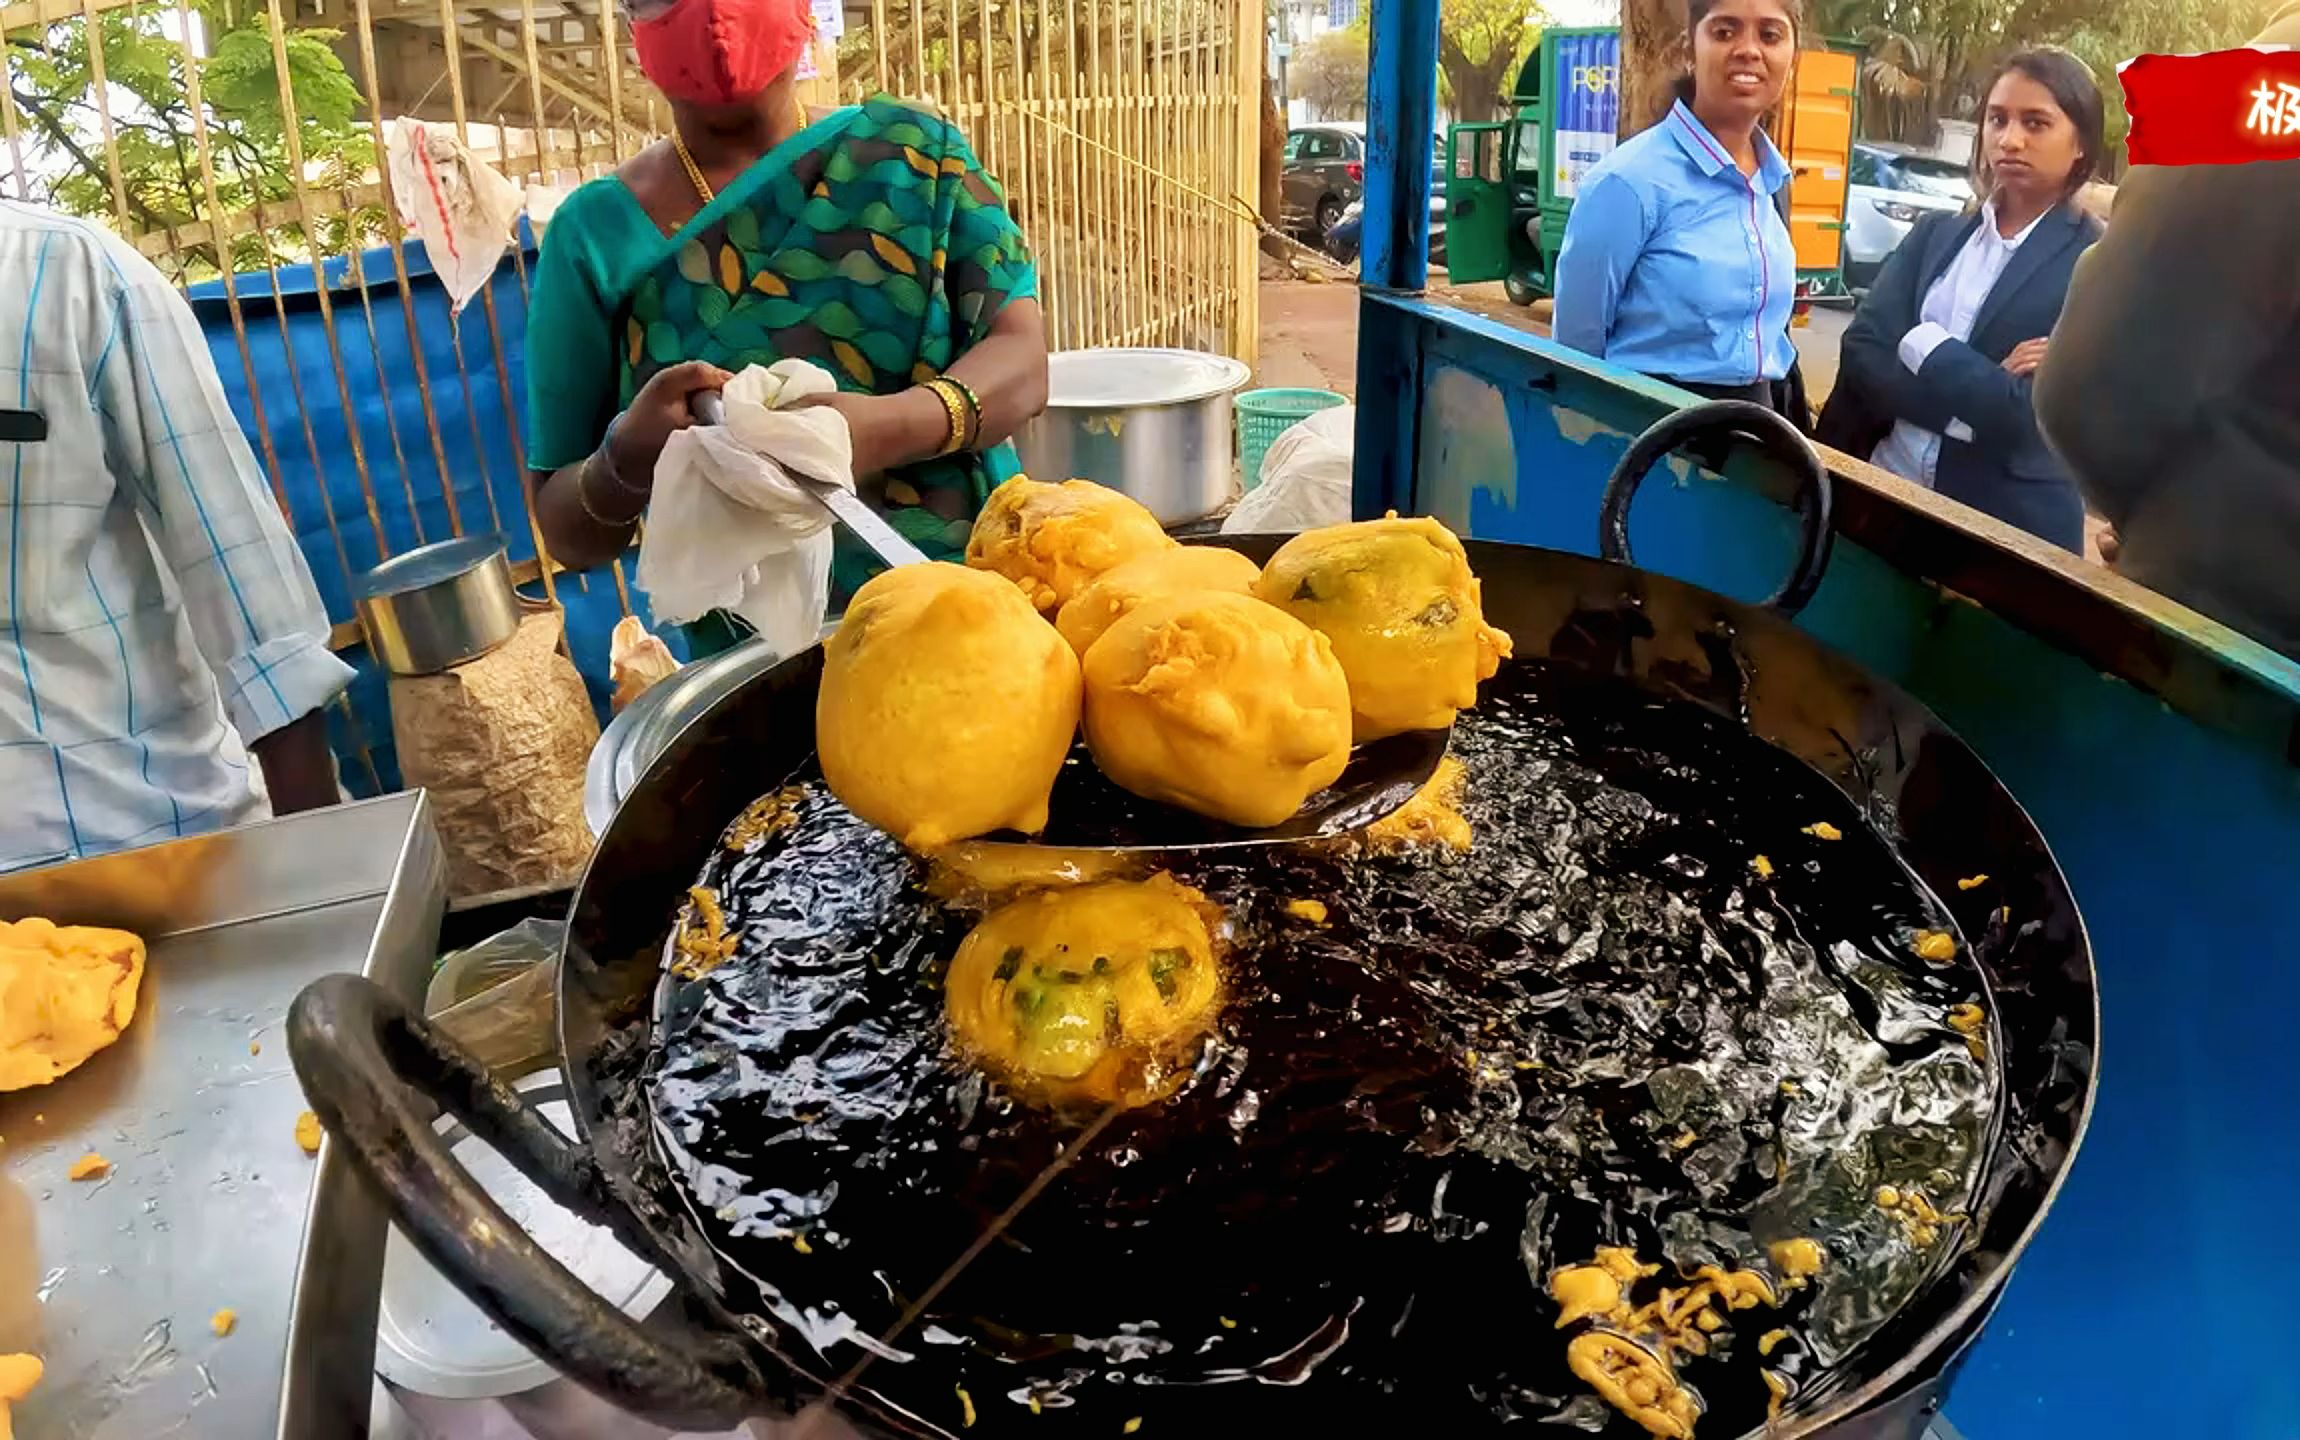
867,240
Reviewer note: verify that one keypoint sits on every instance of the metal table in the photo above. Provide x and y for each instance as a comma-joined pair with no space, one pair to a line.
210,1203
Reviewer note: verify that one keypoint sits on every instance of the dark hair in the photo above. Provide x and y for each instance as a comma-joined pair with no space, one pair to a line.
1697,11
2076,93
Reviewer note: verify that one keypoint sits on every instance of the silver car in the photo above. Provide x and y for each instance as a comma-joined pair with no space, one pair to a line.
1891,190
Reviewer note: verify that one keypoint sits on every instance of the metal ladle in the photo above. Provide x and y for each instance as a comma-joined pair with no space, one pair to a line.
1091,813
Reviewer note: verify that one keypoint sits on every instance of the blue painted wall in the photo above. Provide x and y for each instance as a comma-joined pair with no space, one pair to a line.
294,377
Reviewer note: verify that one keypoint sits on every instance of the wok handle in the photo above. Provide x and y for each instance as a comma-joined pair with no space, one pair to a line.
365,1059
1735,419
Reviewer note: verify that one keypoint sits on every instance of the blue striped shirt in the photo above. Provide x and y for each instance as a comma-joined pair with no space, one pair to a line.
1678,265
156,617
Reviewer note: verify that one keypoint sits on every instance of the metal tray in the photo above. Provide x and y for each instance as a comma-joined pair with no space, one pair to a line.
210,1203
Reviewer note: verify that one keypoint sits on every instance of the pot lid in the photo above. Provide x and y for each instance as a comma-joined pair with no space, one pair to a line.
1115,378
428,565
432,1341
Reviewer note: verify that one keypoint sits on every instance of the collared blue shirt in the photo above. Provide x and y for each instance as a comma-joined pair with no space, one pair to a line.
1678,265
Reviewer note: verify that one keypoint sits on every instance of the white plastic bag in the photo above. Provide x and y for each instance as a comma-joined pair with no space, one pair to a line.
1305,477
728,529
455,203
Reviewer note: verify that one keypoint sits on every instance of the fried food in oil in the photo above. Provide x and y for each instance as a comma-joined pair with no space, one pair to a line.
1053,540
66,992
980,871
1404,612
1432,817
1095,994
1219,704
947,706
1175,570
703,941
1634,1381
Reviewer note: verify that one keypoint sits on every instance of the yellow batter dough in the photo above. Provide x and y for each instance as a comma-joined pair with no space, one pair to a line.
1176,570
1097,994
66,992
1053,540
947,706
979,871
1404,612
1219,704
18,1374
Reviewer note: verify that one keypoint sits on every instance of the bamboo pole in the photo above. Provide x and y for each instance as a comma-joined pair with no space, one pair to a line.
397,236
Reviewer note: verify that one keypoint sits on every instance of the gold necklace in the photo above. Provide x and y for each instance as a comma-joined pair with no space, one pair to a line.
694,171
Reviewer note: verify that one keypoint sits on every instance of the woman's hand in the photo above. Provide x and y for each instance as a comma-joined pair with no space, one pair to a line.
659,409
2025,358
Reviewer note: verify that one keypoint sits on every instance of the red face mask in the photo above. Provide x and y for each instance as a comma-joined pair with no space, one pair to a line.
716,52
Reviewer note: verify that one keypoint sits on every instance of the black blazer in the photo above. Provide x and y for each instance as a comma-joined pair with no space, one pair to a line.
2006,469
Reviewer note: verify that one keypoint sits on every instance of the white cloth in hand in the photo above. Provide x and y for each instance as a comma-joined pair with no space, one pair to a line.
729,528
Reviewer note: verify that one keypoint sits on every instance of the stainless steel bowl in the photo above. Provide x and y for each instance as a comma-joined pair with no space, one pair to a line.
439,605
1153,424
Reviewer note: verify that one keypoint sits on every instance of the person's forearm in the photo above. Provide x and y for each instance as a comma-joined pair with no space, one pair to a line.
299,769
1007,373
589,516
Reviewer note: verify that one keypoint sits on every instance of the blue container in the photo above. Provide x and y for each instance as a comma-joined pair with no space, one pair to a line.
307,426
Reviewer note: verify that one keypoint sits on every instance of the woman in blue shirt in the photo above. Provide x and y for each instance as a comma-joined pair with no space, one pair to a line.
1677,262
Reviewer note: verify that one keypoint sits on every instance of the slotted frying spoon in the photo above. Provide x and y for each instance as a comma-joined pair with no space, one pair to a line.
1088,812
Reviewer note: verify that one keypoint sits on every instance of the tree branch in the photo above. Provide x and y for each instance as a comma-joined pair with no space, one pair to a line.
94,168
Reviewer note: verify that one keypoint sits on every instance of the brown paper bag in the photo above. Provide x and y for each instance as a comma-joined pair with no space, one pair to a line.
501,743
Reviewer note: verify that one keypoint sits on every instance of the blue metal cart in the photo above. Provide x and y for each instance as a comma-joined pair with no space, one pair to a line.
2159,752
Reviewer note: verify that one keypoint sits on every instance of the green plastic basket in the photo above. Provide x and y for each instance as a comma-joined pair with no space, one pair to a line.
1264,415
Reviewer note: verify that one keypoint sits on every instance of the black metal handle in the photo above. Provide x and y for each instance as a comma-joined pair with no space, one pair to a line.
1736,419
364,1058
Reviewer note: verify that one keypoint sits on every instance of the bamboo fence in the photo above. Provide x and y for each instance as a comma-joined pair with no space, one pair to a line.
1125,131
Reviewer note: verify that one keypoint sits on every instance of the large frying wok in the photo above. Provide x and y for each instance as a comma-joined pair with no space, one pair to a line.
372,1068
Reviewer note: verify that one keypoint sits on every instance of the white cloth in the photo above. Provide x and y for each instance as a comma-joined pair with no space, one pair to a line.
1950,308
729,529
454,201
1306,477
156,616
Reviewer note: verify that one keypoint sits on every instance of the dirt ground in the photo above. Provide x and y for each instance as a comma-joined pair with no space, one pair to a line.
1310,332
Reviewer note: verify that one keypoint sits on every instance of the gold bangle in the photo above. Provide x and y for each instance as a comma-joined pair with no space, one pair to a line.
973,408
583,498
955,406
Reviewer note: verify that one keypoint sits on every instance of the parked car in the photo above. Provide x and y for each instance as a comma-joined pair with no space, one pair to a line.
1892,188
1325,170
1343,240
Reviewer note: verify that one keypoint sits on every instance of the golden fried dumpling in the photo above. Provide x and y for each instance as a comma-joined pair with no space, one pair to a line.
947,706
1097,993
66,992
1399,602
1175,570
975,872
1220,704
1052,540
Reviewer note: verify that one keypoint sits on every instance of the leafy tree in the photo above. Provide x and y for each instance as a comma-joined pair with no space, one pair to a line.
52,82
1330,74
1481,43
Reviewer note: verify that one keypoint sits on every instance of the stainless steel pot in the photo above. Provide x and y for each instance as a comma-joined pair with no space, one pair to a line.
439,605
1153,424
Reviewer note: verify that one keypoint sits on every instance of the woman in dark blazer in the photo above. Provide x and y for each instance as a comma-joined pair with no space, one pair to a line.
1937,369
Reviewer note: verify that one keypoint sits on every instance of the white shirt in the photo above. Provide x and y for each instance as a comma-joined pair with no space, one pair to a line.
1950,309
156,616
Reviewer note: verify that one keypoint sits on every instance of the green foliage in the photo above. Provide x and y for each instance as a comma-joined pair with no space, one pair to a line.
1927,59
1481,44
155,131
1330,73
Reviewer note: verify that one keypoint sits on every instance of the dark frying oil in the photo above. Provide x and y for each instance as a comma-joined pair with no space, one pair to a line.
1599,1027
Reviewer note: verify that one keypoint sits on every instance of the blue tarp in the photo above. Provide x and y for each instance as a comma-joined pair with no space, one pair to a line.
304,414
